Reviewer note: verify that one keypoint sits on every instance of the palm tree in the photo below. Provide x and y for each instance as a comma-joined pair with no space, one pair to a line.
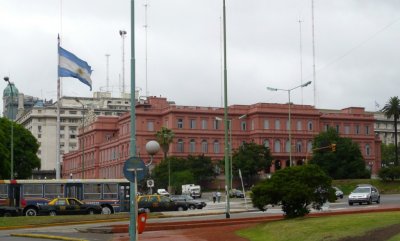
392,109
165,137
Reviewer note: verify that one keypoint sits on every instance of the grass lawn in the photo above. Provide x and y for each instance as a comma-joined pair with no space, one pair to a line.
321,228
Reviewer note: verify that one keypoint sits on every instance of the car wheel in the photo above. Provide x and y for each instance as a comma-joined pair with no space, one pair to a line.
90,211
31,212
378,200
370,200
180,208
106,210
351,204
192,207
53,213
341,196
360,203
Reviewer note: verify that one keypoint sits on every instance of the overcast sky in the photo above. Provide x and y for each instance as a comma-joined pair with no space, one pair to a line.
356,43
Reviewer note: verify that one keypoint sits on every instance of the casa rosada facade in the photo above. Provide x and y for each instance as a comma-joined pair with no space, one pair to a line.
200,130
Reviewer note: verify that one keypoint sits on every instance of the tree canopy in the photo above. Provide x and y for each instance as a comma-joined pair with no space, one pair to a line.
345,163
190,170
392,109
251,158
25,149
295,189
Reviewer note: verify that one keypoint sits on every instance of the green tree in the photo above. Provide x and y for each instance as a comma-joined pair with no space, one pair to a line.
388,155
392,109
251,158
345,163
165,137
295,188
25,149
202,168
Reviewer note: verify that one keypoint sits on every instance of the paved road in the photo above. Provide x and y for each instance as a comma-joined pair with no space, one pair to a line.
213,211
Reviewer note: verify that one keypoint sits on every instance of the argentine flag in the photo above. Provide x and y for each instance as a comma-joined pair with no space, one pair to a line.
72,66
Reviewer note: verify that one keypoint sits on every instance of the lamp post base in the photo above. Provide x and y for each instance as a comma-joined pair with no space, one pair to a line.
228,215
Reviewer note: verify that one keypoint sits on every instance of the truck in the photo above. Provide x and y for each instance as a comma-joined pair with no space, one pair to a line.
191,189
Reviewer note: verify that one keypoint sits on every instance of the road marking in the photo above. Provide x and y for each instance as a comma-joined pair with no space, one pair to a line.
29,235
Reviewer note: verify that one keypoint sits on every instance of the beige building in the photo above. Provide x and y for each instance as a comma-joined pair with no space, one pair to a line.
384,128
41,121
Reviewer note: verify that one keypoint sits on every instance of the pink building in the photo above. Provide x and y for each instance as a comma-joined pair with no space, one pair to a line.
199,130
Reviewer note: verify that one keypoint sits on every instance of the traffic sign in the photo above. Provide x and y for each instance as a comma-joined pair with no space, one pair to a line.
150,183
134,164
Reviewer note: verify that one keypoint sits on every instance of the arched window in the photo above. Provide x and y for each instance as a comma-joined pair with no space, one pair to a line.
310,126
299,146
204,146
287,146
277,146
192,146
367,150
216,146
309,146
179,147
266,143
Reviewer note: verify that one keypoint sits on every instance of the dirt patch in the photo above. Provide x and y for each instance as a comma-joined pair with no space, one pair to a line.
380,234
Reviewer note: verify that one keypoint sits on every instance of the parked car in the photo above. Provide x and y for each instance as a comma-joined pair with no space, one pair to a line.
6,211
364,194
159,203
338,192
162,192
189,201
236,193
70,206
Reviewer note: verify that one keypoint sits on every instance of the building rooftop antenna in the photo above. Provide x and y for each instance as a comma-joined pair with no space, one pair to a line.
301,59
107,73
146,28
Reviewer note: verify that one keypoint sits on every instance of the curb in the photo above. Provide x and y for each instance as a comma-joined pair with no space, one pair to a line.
44,236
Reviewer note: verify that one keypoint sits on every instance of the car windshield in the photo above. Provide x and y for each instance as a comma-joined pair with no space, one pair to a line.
362,190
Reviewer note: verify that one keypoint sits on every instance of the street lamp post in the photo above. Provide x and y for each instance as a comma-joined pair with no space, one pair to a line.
290,124
230,148
83,136
7,79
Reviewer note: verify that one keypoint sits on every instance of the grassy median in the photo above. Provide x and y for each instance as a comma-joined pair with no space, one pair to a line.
321,228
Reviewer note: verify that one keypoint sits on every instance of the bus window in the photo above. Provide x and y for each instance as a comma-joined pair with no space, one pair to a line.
74,190
3,191
53,190
33,190
91,191
110,191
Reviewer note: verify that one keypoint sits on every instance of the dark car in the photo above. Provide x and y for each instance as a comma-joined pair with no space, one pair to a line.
236,193
159,203
68,206
189,201
6,211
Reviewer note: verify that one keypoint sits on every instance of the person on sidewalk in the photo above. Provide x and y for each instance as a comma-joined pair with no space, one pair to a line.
214,196
218,196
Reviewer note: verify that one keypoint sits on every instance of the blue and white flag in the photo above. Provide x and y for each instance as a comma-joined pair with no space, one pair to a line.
72,66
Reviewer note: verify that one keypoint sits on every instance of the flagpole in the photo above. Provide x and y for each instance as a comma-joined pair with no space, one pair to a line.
58,114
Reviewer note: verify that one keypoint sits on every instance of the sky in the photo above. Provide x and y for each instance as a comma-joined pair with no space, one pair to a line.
356,49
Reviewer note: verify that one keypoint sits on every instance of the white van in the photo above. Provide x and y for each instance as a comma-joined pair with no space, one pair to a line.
163,192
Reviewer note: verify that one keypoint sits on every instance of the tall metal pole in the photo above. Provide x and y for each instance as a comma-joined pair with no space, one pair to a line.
7,79
123,34
132,149
290,132
313,53
83,141
230,153
226,154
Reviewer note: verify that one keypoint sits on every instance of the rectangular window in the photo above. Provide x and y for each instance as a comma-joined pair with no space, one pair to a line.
91,191
266,124
204,124
33,190
357,129
192,124
299,126
337,128
72,112
366,130
3,191
326,127
110,191
243,125
252,125
216,124
53,190
180,123
150,126
277,125
40,129
346,130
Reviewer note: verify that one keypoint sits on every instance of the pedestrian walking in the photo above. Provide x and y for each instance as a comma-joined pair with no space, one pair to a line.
218,196
214,195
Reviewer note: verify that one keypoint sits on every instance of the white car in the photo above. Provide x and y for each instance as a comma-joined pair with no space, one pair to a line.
364,194
163,192
338,192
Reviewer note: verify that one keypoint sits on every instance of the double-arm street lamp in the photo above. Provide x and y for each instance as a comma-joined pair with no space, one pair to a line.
7,79
290,124
83,137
